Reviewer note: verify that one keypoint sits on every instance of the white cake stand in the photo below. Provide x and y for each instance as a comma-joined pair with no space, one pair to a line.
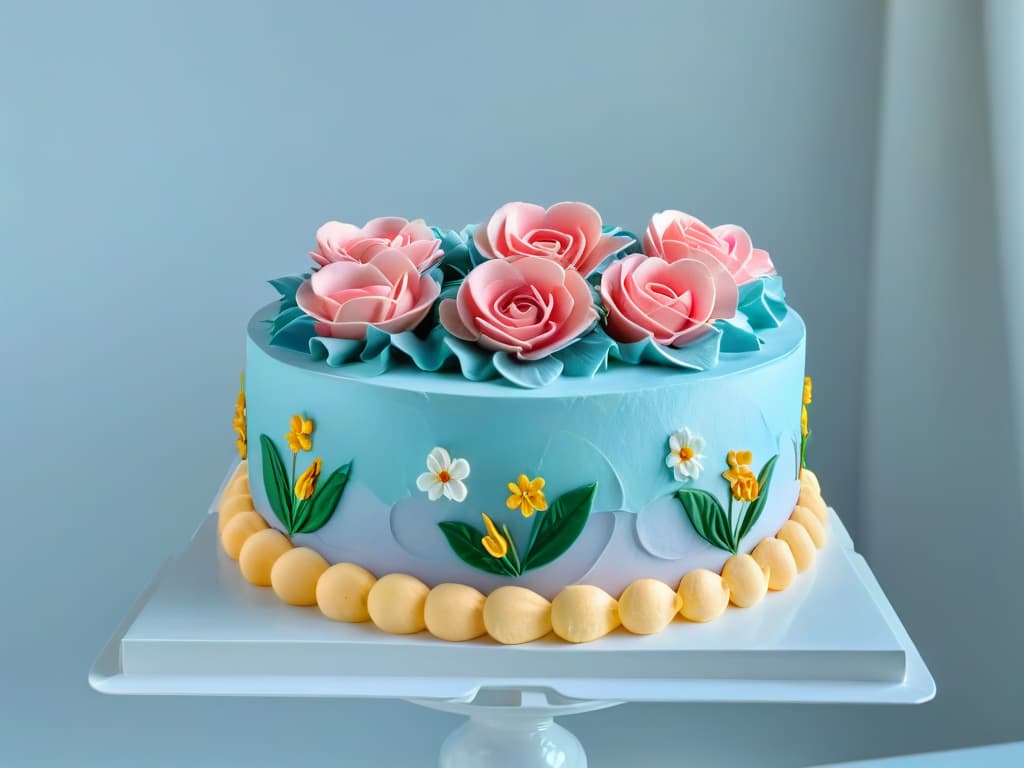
200,629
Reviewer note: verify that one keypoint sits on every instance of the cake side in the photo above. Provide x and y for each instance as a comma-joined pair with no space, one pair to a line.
613,431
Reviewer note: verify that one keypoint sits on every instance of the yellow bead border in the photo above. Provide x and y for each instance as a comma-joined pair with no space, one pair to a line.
402,604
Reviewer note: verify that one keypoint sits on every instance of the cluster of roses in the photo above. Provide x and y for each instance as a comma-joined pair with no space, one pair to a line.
528,294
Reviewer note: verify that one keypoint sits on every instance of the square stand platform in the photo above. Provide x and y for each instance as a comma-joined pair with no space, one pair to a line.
201,629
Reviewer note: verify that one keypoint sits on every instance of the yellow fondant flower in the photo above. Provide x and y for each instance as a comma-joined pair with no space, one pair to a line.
527,495
238,422
306,483
803,421
742,481
300,436
808,390
495,544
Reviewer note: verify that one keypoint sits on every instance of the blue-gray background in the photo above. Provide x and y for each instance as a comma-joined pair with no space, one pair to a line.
158,161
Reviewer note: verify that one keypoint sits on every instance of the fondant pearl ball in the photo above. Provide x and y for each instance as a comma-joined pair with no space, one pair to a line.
581,613
455,612
648,606
232,505
343,591
294,575
810,521
238,529
746,579
808,478
514,615
259,553
396,604
704,595
242,470
776,556
812,500
800,542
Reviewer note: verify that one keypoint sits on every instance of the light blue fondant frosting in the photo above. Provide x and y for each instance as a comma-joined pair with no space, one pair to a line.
612,429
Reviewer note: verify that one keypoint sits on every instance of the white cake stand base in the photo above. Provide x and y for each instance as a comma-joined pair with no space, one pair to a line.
201,630
513,729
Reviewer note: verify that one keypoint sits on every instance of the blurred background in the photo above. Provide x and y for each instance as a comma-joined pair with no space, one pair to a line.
159,161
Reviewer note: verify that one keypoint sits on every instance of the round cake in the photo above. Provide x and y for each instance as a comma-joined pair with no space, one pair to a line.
538,423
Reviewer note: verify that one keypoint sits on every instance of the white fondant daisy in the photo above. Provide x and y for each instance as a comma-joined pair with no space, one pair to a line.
685,454
444,477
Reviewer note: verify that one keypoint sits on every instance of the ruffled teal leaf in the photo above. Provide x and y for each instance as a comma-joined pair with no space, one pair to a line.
557,528
287,287
295,334
700,355
427,354
763,301
313,513
528,374
457,259
756,507
275,483
335,352
587,355
707,517
634,247
465,541
476,363
376,342
737,335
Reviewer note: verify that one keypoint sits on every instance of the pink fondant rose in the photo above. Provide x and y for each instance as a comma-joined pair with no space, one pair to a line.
529,307
672,302
728,243
566,233
346,242
387,292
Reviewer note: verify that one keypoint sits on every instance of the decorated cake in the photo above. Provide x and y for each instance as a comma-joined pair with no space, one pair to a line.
538,426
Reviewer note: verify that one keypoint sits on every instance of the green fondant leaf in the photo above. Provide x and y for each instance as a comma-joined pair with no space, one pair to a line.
275,482
707,517
756,507
464,540
313,513
555,530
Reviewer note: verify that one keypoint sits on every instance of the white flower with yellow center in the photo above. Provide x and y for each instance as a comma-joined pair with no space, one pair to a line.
685,454
444,476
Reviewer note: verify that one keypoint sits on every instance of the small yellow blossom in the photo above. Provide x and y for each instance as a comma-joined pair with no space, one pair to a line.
742,481
300,436
803,421
495,544
238,422
527,495
808,390
306,483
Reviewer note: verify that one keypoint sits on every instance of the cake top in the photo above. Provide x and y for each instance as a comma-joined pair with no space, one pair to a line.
529,296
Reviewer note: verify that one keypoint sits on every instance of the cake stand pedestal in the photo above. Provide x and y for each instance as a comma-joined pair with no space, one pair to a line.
201,630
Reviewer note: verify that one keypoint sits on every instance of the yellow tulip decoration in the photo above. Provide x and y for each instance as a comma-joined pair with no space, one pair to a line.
302,503
805,433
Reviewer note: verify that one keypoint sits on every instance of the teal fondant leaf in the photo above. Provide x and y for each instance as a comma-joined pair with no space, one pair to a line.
313,513
707,517
427,354
275,483
457,261
763,301
295,334
476,363
465,541
587,355
700,355
287,287
335,352
529,374
756,507
737,335
555,530
376,342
